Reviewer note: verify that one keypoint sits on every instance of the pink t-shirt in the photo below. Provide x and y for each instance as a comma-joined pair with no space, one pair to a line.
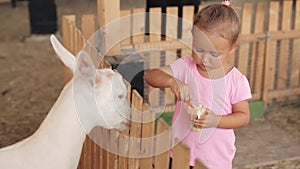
214,147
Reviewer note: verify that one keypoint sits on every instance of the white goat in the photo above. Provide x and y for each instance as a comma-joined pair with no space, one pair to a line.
57,143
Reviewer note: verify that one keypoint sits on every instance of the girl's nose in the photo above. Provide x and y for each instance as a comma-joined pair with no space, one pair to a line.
204,57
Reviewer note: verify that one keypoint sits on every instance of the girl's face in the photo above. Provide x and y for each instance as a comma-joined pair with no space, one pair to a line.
211,51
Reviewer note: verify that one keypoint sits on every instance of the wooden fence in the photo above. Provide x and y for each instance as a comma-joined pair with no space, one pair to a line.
268,55
95,157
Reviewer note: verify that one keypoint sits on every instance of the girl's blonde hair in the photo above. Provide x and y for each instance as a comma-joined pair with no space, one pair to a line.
221,19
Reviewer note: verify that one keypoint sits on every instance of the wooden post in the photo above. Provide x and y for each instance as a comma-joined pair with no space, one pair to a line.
199,165
270,52
67,20
181,156
245,29
135,131
295,63
108,11
284,45
148,119
88,25
162,160
256,78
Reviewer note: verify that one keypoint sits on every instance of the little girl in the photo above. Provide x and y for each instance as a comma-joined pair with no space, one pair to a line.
208,79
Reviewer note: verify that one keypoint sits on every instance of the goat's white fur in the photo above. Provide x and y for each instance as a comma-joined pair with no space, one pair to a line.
57,143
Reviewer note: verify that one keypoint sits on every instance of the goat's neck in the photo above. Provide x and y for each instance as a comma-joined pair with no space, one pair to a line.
61,135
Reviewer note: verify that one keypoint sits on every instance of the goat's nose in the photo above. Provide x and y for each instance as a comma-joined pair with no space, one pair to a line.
127,124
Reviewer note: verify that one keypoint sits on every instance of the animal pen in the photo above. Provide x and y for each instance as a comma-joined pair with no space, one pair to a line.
268,54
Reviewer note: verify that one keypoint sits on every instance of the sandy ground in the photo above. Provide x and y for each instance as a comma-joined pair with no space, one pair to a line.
31,77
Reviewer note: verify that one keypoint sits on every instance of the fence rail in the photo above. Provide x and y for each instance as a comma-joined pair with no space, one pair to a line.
268,54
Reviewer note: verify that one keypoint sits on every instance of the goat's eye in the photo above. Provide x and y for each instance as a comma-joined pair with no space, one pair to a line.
120,96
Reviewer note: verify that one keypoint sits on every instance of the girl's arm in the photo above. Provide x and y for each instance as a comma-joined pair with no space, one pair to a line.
160,78
163,78
239,117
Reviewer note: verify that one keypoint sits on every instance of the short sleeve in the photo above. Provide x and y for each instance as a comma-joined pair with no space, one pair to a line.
241,90
180,66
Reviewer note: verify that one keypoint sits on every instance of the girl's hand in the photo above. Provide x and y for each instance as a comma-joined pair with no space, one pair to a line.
181,90
207,120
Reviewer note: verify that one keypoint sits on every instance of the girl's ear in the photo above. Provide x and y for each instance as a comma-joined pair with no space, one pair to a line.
63,54
233,48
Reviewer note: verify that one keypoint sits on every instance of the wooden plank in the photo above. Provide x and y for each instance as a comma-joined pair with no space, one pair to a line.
155,57
113,147
109,11
278,94
105,154
171,23
256,77
148,122
245,29
97,148
171,55
162,159
138,25
135,131
124,149
199,165
181,156
295,62
187,23
126,27
123,138
284,46
284,34
155,24
163,45
88,25
66,41
270,51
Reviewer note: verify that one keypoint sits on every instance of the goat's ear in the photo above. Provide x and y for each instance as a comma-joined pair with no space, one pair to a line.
63,54
85,66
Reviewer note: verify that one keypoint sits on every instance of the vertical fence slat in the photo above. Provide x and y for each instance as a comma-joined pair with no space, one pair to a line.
114,147
155,58
199,165
108,11
295,63
88,25
171,55
123,139
271,47
284,46
138,25
135,131
188,17
187,23
181,156
245,29
148,119
67,21
126,27
162,160
155,24
256,78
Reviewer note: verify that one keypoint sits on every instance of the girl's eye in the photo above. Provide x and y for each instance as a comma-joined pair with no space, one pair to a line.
214,54
199,50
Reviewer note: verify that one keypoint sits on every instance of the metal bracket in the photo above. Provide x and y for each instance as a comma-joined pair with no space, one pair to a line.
267,37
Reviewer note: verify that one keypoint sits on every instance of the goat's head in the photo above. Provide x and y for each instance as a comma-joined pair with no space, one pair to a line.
108,107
